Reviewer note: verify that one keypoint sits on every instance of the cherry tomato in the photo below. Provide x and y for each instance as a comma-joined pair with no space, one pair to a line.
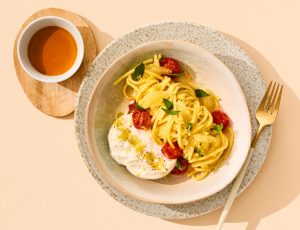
171,153
141,119
220,117
181,167
171,64
131,107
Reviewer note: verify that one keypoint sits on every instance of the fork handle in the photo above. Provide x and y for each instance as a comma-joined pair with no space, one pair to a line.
238,180
234,189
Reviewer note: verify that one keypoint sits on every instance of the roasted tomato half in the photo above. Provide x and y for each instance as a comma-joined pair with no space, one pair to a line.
171,64
171,153
181,167
141,119
220,117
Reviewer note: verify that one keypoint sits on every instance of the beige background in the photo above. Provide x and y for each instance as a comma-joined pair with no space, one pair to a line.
44,182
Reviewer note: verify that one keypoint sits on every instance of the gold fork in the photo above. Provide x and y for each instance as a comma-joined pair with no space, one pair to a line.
266,115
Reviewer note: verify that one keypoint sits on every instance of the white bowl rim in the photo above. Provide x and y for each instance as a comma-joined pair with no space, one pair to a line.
120,188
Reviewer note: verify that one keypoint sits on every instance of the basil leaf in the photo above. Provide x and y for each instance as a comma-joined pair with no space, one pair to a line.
201,93
138,72
170,112
176,74
189,127
138,107
178,165
168,104
169,107
218,128
198,151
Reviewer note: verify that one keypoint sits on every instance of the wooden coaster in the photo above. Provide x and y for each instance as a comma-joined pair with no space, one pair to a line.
57,99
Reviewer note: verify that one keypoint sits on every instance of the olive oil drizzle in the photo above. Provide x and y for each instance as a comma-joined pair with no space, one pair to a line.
126,135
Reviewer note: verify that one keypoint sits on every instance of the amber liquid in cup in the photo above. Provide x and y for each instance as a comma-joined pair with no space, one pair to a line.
52,50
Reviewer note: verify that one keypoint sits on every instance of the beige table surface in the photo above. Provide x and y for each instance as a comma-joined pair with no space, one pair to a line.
44,182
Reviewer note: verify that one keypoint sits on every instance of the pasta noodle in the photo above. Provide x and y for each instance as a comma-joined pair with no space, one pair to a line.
192,127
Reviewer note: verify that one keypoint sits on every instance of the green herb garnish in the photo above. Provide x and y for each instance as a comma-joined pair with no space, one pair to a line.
176,74
189,127
168,104
138,72
170,112
199,152
138,107
169,107
178,165
201,93
218,128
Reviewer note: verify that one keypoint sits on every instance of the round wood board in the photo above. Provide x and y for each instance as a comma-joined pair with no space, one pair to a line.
57,99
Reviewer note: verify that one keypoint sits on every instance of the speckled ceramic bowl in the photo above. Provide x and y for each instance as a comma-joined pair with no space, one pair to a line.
216,43
107,100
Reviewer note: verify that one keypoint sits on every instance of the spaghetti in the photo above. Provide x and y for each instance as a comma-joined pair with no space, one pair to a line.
181,113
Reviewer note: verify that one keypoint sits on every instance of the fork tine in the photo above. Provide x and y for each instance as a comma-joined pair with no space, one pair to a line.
272,104
268,104
276,108
264,100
